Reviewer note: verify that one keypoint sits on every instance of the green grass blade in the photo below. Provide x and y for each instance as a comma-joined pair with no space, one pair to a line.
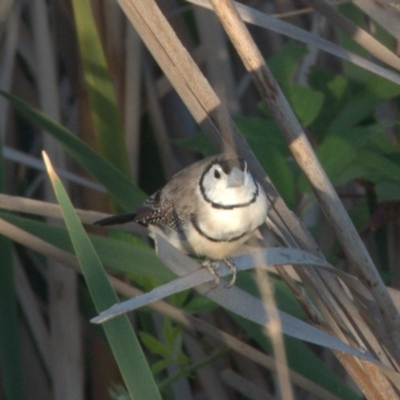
10,354
119,187
122,339
102,99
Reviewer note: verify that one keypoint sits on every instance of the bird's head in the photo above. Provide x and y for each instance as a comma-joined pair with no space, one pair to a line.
227,182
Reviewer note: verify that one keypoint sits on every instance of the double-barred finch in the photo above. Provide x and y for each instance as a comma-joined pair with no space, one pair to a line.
208,209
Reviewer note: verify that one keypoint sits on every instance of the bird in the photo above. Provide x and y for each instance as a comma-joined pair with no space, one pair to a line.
207,209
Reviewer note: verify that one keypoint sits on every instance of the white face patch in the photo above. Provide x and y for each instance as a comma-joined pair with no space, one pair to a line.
228,184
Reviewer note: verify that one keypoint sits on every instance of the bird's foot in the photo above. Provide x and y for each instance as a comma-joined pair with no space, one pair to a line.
231,265
212,267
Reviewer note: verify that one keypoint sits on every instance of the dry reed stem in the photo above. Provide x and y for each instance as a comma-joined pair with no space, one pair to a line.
132,98
359,35
307,160
306,10
51,210
159,126
9,36
31,310
274,330
387,17
363,377
217,59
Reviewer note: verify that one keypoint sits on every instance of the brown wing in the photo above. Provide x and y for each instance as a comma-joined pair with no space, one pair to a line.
171,205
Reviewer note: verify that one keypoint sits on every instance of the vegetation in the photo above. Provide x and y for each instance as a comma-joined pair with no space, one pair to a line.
78,81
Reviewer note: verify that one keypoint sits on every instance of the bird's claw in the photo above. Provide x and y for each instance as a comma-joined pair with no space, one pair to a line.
213,266
231,265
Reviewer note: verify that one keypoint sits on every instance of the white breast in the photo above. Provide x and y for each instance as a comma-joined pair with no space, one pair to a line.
224,225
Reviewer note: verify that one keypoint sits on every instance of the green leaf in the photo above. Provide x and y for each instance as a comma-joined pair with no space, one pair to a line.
158,366
119,187
306,102
284,64
338,86
10,352
123,342
100,90
170,332
381,88
384,144
381,167
154,345
337,94
352,113
342,154
339,150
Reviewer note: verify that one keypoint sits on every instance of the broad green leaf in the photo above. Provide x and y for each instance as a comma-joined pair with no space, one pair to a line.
338,86
306,102
336,91
381,88
160,365
100,90
119,187
384,144
352,113
382,168
154,345
285,63
10,353
122,339
338,153
339,150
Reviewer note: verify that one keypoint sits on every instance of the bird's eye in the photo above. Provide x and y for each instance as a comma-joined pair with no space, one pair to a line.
217,175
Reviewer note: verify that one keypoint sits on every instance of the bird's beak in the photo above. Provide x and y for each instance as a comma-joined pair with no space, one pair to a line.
235,178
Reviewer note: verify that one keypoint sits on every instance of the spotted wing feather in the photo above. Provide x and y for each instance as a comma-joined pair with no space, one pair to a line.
172,205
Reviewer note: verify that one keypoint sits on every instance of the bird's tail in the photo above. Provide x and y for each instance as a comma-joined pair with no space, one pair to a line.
116,219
